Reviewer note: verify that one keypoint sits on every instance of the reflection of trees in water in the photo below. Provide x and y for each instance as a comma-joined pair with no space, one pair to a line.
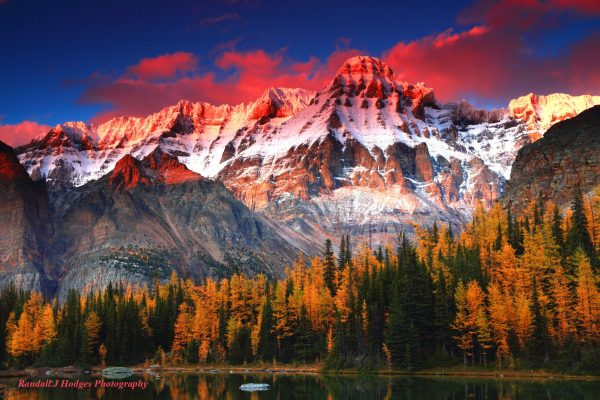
358,387
330,387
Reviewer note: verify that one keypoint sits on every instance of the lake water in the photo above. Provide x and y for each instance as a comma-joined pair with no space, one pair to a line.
329,387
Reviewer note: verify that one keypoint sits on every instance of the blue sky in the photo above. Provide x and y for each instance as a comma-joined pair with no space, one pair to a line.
68,60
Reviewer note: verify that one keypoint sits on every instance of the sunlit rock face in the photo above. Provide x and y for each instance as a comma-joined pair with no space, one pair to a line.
541,112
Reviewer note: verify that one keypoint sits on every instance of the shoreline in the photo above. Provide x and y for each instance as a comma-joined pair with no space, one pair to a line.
313,369
317,369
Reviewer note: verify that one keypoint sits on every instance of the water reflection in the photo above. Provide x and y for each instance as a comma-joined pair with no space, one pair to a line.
330,387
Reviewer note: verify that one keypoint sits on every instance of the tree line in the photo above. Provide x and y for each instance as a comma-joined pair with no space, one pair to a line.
508,290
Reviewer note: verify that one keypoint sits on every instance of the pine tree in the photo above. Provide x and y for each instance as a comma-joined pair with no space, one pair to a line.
557,232
348,257
341,261
540,339
306,342
441,316
329,267
435,236
578,236
395,338
266,344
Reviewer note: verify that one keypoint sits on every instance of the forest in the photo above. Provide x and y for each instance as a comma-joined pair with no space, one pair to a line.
506,290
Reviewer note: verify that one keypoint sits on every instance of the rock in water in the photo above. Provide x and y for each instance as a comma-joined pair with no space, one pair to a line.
116,372
254,387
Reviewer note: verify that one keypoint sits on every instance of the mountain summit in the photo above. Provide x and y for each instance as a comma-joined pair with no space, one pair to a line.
365,152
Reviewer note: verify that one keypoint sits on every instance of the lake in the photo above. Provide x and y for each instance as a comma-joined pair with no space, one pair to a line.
330,387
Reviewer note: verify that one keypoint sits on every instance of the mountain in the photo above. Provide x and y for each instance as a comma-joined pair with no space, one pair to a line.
74,153
143,220
567,155
366,155
23,224
541,112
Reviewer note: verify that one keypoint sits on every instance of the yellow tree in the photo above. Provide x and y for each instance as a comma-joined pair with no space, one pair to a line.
102,350
281,315
23,339
28,335
92,326
484,333
462,323
522,323
203,351
562,299
588,299
499,320
47,325
474,300
182,330
506,272
344,294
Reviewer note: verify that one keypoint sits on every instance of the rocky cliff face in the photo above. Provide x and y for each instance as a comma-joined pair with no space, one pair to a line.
142,221
24,224
567,155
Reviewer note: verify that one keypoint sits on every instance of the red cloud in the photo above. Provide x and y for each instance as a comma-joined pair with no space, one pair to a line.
165,66
18,134
525,13
581,6
493,61
248,75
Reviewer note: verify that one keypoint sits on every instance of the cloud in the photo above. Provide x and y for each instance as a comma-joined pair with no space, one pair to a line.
494,61
220,19
525,13
490,60
18,134
581,6
165,66
247,75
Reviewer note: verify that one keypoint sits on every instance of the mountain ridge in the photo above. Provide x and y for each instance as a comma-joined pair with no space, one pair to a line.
365,149
144,220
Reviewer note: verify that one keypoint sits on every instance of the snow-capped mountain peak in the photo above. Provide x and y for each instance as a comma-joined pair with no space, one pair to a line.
361,72
365,147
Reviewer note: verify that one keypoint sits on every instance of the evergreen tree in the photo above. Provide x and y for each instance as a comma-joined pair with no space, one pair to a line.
557,231
395,337
578,235
341,261
540,343
306,344
441,315
329,267
348,257
266,344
